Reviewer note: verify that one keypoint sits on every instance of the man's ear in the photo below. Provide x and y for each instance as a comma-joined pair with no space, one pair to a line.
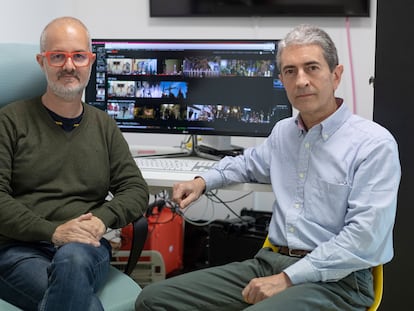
40,60
93,58
337,75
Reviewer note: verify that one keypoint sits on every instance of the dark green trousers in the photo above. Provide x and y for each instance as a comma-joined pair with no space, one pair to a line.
219,288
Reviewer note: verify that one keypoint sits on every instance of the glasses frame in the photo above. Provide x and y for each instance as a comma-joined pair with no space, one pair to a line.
68,55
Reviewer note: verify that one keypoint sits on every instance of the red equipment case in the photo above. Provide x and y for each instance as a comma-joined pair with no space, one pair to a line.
165,234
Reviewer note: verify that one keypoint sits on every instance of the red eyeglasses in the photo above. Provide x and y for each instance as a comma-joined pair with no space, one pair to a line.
59,59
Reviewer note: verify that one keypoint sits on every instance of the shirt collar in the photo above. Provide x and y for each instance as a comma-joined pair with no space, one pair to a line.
328,126
301,127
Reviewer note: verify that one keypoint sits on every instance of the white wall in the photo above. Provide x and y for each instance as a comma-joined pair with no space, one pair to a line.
23,20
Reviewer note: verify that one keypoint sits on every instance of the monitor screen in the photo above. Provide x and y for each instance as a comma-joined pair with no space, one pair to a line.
237,8
199,87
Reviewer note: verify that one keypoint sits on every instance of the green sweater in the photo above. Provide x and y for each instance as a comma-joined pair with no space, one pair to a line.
49,176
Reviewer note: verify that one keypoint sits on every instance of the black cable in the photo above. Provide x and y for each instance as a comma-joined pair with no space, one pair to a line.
210,193
230,201
174,207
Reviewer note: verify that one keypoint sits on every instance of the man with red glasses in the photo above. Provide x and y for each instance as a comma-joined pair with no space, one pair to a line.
59,160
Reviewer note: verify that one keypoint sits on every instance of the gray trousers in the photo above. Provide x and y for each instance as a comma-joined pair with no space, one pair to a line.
219,288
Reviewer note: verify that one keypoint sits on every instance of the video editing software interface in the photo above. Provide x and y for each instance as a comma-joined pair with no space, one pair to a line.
201,87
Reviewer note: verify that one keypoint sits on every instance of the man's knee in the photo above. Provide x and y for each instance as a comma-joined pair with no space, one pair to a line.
82,261
146,297
81,254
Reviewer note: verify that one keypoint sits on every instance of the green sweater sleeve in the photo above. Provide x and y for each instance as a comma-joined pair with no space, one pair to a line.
129,190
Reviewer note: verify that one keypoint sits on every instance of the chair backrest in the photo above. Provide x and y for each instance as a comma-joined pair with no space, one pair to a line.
20,74
268,244
377,273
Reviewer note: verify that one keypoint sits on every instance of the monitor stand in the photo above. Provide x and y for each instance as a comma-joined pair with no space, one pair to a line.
214,147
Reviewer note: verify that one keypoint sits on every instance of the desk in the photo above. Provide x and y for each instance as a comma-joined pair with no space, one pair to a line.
157,181
162,180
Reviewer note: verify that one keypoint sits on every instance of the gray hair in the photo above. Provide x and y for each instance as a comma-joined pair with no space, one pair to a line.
309,35
66,20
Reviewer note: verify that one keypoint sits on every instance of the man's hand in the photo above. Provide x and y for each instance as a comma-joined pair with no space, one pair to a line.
189,191
86,229
259,289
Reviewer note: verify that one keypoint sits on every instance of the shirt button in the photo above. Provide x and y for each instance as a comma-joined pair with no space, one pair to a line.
297,205
301,175
307,145
291,229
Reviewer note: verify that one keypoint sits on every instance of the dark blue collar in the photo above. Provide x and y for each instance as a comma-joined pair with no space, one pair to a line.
67,124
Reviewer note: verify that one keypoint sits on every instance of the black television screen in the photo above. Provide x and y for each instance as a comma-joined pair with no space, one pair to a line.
198,87
212,8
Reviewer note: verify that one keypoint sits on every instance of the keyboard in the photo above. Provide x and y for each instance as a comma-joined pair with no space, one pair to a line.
175,165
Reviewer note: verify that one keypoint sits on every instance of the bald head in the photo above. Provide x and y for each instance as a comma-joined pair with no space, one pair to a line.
65,23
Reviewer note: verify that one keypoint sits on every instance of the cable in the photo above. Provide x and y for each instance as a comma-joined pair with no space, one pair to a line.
194,221
234,200
198,224
210,193
162,201
351,64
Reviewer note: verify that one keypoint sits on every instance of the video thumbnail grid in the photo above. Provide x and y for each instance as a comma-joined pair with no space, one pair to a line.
196,66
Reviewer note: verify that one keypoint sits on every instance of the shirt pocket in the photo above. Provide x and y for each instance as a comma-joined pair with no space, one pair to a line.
328,203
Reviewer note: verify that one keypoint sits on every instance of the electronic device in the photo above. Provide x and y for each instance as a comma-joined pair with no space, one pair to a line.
229,8
175,165
214,88
237,239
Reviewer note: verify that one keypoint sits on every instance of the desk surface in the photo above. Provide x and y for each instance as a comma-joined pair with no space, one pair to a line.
158,180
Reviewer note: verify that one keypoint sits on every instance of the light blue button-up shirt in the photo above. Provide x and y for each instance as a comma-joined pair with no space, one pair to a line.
336,192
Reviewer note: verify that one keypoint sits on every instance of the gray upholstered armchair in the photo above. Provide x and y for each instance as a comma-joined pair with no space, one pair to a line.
21,77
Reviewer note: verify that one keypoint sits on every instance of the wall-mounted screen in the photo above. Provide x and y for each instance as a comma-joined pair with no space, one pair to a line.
238,8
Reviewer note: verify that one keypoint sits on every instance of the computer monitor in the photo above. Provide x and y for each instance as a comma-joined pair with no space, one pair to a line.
214,88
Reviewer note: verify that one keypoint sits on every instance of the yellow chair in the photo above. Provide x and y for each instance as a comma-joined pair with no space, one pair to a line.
377,273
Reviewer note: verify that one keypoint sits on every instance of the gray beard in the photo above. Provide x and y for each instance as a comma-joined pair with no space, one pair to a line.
68,94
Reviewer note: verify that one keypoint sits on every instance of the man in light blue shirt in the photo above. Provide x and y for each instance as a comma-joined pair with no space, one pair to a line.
335,177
